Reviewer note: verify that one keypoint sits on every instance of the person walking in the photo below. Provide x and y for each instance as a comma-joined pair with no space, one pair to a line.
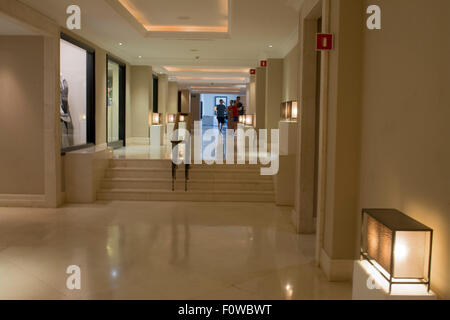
220,111
235,115
240,106
230,116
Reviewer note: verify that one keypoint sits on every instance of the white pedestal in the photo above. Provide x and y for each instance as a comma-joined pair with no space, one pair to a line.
84,171
288,137
368,284
156,135
285,182
170,127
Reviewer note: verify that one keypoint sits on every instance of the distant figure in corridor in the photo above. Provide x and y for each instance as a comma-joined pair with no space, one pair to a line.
231,120
235,115
240,106
221,110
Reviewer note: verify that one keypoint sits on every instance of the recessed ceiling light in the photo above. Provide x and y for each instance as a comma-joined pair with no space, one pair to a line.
140,57
270,46
120,44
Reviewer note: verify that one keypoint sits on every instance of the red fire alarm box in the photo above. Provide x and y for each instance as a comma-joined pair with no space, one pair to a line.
252,71
263,63
324,41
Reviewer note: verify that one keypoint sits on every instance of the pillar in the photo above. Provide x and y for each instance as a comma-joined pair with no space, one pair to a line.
260,98
141,102
172,103
163,92
274,88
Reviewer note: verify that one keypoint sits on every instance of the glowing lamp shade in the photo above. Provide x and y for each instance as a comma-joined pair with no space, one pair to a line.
249,120
294,110
182,118
156,119
171,118
242,119
285,112
398,246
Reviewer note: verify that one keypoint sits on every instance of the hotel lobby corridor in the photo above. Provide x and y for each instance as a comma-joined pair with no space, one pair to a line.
116,183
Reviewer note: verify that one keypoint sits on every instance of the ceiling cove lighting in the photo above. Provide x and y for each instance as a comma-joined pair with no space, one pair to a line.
206,70
211,78
136,13
398,247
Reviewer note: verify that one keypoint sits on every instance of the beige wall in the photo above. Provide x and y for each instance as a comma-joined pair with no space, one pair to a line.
290,75
195,107
251,95
141,100
274,88
22,115
185,101
163,91
405,152
172,106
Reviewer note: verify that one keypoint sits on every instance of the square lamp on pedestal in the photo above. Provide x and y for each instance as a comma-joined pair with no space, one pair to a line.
285,111
171,118
249,120
294,111
397,246
156,119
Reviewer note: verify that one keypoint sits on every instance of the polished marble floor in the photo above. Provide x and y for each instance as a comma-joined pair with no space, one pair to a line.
159,250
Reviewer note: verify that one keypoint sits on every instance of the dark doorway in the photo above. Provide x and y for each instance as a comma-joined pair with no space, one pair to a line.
155,94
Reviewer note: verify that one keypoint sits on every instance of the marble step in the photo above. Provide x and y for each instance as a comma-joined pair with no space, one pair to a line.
206,185
198,196
195,174
167,164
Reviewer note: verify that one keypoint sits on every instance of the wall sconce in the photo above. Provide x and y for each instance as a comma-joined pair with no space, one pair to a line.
398,246
294,110
249,120
289,111
171,118
156,119
285,111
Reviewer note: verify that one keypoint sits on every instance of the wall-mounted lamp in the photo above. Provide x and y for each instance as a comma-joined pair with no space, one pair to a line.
156,119
289,111
398,246
294,110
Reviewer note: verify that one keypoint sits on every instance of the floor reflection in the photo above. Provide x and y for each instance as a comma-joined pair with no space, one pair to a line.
160,250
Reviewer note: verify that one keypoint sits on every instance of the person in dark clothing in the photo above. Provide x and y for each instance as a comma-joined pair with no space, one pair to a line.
221,110
240,106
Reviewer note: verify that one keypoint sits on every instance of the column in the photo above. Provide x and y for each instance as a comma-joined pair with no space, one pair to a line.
141,102
260,98
274,88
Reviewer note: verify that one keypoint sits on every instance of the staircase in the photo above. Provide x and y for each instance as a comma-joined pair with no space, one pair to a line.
151,180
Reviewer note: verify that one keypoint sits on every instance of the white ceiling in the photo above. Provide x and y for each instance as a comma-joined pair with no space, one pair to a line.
179,13
253,26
